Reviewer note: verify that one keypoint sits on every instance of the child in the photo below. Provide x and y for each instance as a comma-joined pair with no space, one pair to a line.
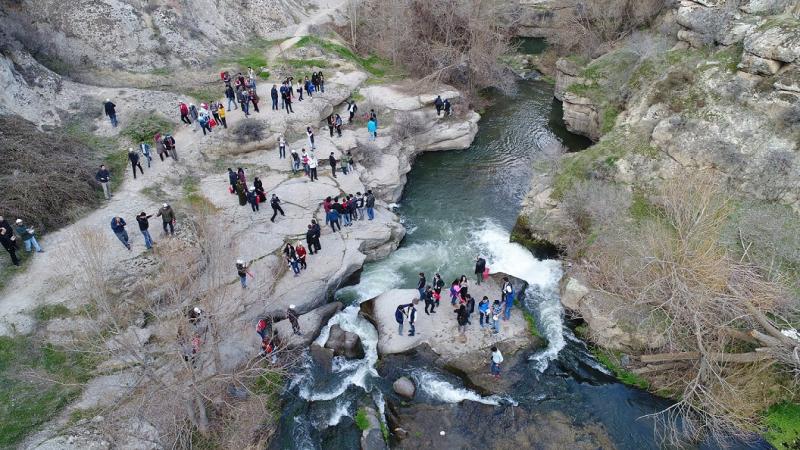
454,288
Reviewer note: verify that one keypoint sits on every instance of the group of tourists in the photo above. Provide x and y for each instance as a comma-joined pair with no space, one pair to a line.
9,238
491,312
168,220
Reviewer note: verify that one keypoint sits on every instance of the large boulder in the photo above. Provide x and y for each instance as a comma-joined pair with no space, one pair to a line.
310,325
344,343
404,387
372,436
777,39
323,357
567,73
582,116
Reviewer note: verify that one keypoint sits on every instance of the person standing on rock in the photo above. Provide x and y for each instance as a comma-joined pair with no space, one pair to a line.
184,110
447,107
104,177
370,202
497,359
399,316
352,108
311,240
133,157
287,99
332,161
275,203
470,308
508,298
301,255
144,226
9,242
462,317
337,124
241,192
244,102
291,314
439,104
464,288
232,179
111,112
254,98
333,219
372,128
243,272
483,310
480,267
231,96
310,134
345,163
454,288
259,186
221,114
273,93
421,285
496,310
242,177
167,218
438,284
412,316
427,296
312,167
193,115
118,227
281,147
252,198
295,161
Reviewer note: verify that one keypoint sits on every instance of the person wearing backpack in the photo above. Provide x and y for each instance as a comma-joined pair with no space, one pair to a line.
169,146
184,110
241,270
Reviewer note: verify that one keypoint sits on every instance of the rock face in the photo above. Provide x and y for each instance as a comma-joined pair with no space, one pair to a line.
537,18
372,437
344,343
404,386
581,116
310,325
567,73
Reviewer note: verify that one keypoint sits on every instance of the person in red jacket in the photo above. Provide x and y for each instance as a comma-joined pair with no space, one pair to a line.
300,251
184,113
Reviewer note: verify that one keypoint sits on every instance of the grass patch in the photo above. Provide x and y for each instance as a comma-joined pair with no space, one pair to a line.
204,93
264,75
611,361
362,421
44,313
783,426
532,327
26,402
641,207
303,63
375,65
144,126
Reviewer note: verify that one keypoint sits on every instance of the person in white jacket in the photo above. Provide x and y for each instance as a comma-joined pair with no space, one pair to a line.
312,167
497,359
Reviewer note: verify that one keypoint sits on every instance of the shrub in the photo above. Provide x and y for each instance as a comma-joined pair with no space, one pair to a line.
362,421
143,127
248,131
407,125
367,154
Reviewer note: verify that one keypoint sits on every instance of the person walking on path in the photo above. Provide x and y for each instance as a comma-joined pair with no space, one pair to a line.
167,217
133,157
193,115
232,179
184,110
497,359
111,111
254,98
508,298
332,161
310,134
312,167
243,272
421,285
412,316
221,114
462,317
345,163
439,104
144,148
483,310
446,106
429,302
333,219
370,202
9,242
118,227
372,128
301,255
480,268
252,198
144,226
337,123
352,108
281,147
293,317
169,146
103,176
275,203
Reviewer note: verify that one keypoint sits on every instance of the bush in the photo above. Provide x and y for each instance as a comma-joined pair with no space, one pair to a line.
367,154
47,178
143,127
248,131
362,421
407,125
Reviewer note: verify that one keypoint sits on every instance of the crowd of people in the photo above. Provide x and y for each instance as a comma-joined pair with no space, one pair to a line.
491,312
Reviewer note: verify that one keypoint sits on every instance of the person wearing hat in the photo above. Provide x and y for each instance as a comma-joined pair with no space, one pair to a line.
118,227
168,218
252,198
293,317
144,224
241,269
133,157
111,112
26,234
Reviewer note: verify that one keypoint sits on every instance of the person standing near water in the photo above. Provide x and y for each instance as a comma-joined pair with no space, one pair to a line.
497,359
291,314
421,285
399,316
480,267
508,298
483,309
496,310
412,316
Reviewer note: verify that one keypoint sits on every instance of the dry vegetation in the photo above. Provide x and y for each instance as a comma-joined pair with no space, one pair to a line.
708,286
211,400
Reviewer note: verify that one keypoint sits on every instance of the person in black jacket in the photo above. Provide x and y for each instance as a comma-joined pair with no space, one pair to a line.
370,202
421,285
412,316
144,226
133,157
274,95
8,240
439,104
480,267
111,112
429,302
470,307
293,317
332,160
252,198
312,240
462,316
104,177
233,177
231,96
275,202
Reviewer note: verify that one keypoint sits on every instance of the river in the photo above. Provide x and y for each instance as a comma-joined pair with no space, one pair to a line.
458,204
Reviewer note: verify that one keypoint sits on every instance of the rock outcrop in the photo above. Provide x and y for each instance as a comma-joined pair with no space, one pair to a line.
581,115
344,343
404,386
372,436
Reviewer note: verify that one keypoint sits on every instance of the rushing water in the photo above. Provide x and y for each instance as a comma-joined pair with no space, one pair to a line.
458,204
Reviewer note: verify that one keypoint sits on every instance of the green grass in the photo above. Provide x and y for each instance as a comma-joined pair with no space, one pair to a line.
44,313
264,75
204,92
362,421
783,426
303,63
26,400
107,148
532,327
161,71
375,65
610,361
641,207
144,126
